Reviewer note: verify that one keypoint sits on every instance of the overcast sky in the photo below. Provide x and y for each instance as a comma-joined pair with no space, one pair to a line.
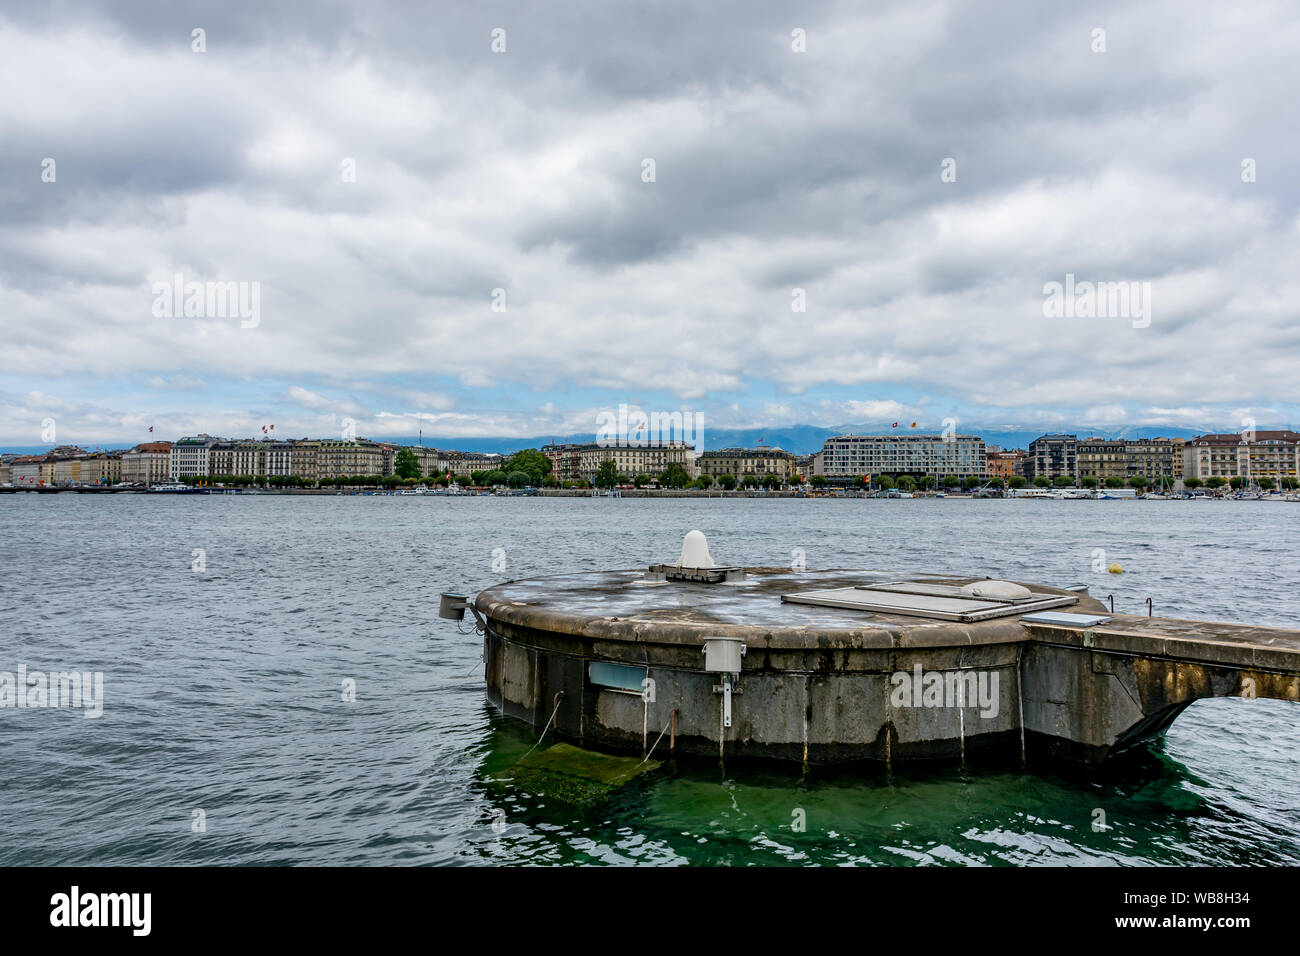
524,171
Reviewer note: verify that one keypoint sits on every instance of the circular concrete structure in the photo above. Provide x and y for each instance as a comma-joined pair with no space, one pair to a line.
880,666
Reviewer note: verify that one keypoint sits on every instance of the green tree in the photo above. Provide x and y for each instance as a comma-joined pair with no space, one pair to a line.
1042,481
771,480
531,461
1215,482
496,477
818,481
886,482
405,464
1290,484
1017,481
641,480
728,482
1089,481
749,481
1237,482
519,479
606,474
906,483
970,482
674,476
1138,482
925,482
951,481
1266,483
1114,481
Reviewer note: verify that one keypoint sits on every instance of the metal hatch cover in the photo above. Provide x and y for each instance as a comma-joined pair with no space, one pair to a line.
925,600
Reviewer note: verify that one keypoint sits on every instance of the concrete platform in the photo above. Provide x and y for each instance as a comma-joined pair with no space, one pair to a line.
829,684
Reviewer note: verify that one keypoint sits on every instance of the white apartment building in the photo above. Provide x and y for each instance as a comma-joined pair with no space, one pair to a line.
851,456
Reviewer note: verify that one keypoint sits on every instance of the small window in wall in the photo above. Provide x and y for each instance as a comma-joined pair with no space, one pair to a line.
621,677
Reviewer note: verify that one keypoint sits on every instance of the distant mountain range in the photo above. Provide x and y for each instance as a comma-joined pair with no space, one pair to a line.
805,439
799,439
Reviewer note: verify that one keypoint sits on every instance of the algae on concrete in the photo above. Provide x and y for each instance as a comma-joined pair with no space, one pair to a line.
569,774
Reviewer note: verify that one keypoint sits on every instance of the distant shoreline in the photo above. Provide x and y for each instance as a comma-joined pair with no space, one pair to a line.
572,493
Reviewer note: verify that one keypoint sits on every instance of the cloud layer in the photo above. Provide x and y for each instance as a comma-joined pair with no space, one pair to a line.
522,171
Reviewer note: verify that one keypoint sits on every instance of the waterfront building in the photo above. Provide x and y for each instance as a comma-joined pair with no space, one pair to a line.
852,456
573,462
1159,460
32,470
1003,464
251,458
1272,454
464,463
809,465
6,470
1052,456
741,462
148,463
1155,459
430,460
189,456
86,468
350,458
1101,458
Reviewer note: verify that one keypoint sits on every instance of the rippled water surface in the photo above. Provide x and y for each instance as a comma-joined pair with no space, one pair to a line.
223,688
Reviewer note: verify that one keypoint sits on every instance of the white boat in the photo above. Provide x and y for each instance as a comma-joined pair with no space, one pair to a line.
174,488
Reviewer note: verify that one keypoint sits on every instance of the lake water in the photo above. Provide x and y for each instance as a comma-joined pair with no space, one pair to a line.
223,687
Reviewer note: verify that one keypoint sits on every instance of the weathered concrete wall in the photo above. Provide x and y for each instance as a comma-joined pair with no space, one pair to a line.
816,691
838,710
1087,697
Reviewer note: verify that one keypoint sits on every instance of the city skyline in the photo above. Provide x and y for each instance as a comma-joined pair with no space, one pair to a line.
473,242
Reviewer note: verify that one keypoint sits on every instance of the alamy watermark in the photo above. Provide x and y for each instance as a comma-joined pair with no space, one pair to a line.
631,427
959,688
32,689
1098,300
179,299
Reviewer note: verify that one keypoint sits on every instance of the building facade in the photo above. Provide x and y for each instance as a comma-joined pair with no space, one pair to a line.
1159,460
351,458
1272,454
852,456
464,463
1102,458
1052,456
95,468
580,462
148,463
32,470
743,462
1003,464
189,456
251,458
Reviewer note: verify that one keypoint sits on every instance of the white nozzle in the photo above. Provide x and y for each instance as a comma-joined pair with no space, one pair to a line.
695,551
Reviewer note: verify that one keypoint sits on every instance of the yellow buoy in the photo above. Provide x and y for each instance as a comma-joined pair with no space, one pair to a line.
1116,569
